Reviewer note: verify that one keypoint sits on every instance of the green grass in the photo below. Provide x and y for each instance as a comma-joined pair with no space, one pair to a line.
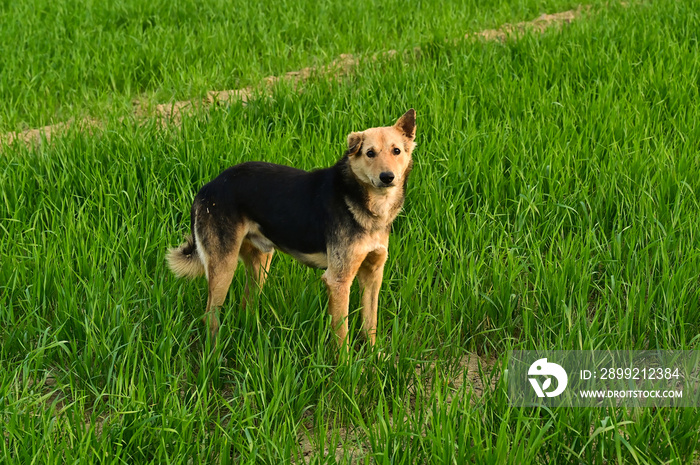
553,205
63,59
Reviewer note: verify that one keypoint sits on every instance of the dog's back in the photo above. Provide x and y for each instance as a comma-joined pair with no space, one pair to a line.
294,209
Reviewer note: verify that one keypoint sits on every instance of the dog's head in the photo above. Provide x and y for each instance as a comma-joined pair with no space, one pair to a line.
380,157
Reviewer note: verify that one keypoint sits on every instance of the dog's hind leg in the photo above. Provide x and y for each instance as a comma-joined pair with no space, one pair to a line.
370,278
220,267
219,276
257,264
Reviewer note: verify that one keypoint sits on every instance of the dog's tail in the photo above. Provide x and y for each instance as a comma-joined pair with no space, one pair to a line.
184,261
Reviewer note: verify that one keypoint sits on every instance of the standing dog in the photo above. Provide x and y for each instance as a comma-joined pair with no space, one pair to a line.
337,218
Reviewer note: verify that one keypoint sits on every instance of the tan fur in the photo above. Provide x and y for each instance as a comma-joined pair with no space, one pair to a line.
338,278
316,260
370,278
219,271
382,141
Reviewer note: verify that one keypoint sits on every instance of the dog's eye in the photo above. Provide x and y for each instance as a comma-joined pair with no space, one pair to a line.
370,153
397,151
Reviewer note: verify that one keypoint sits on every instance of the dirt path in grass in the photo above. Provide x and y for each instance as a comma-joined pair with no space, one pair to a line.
172,113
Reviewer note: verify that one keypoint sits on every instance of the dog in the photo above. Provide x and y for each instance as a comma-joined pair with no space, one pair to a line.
338,219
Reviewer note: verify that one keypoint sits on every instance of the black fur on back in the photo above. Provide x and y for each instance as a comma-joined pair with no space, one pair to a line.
295,209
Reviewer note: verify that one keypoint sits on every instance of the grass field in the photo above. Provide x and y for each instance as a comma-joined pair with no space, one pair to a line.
65,58
553,205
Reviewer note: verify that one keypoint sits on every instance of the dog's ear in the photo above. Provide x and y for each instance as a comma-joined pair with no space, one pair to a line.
354,142
407,124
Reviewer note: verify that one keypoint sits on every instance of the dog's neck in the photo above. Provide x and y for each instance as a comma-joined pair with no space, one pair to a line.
385,204
373,208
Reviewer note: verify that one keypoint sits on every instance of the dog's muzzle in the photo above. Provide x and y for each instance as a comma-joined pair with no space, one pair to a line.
387,177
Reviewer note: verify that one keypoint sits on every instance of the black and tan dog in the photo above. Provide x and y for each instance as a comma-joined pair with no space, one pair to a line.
337,218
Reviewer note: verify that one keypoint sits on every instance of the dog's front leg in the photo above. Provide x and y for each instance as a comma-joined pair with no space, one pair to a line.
370,279
338,303
338,278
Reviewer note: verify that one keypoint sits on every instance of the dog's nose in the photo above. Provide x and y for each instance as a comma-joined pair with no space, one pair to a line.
386,177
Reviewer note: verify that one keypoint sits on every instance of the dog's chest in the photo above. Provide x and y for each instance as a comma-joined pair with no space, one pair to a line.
386,207
378,212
